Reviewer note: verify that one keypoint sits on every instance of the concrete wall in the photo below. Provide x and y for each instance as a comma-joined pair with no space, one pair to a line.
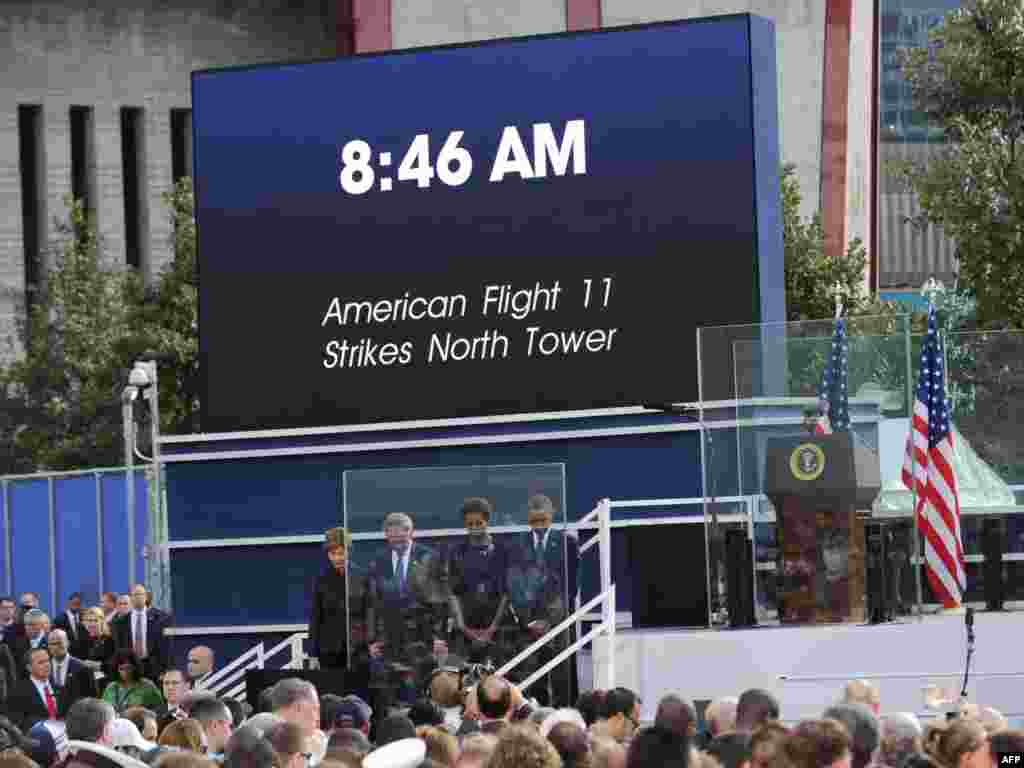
859,169
435,22
109,55
800,39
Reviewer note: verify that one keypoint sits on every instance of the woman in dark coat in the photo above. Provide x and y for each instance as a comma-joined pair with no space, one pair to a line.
339,607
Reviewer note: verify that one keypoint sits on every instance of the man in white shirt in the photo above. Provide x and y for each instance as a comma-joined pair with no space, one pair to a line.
33,699
175,687
70,621
142,631
70,678
36,623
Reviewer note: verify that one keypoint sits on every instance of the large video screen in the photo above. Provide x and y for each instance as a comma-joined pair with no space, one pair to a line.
519,226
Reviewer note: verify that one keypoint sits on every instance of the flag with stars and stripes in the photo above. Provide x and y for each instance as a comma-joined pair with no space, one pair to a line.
833,401
928,470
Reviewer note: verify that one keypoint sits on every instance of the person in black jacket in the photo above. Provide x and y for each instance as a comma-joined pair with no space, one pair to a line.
477,573
339,607
541,582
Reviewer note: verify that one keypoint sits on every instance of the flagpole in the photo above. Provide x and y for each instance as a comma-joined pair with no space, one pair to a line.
915,544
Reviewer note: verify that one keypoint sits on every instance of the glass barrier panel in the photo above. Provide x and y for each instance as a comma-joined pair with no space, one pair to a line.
809,558
464,567
985,371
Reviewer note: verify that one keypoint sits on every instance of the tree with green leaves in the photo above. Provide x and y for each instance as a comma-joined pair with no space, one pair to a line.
167,319
66,387
810,273
970,81
88,322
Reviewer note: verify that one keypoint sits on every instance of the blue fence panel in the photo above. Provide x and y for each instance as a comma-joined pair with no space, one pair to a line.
116,551
141,525
30,537
76,538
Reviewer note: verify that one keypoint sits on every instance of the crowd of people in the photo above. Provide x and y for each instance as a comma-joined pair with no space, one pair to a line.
488,722
418,633
117,651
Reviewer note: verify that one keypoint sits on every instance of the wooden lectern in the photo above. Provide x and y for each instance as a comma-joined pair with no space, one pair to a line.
817,484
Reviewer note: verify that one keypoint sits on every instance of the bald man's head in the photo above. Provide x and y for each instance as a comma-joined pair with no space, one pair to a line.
200,662
494,697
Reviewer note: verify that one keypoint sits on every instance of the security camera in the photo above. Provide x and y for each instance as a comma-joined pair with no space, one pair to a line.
139,377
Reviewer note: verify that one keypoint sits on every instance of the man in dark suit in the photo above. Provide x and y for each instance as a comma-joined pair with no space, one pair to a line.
70,621
33,698
542,579
70,678
408,605
142,630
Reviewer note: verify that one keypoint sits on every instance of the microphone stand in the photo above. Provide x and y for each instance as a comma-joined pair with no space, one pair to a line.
969,624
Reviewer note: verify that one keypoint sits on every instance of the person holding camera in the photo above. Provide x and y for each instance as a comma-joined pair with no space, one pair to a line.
477,571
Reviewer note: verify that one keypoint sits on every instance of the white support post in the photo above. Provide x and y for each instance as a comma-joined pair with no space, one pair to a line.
608,609
604,531
297,653
607,681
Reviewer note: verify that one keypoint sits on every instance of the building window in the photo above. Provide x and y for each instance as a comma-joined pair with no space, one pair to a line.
82,160
133,172
181,143
31,166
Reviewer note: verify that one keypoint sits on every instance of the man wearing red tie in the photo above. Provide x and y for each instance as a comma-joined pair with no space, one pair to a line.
34,699
142,630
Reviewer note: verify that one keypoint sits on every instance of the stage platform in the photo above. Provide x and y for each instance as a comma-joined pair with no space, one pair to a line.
806,667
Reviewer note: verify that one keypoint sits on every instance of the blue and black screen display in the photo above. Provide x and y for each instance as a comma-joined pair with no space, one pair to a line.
517,226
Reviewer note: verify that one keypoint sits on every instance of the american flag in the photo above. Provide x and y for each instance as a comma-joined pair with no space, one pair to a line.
928,470
833,400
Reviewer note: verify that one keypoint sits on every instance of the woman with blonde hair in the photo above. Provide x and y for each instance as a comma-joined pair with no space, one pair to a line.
187,734
963,743
520,746
442,747
98,646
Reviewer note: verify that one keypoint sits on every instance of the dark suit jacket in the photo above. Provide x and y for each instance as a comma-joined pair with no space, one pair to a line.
25,706
8,672
157,649
423,597
541,583
77,638
80,683
328,624
17,642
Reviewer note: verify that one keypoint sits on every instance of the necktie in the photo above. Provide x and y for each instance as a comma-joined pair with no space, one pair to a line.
51,704
401,574
140,648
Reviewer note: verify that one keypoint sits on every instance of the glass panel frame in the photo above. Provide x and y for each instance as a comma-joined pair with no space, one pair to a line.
771,390
451,575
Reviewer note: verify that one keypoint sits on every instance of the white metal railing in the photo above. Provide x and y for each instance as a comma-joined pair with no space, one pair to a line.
606,676
230,681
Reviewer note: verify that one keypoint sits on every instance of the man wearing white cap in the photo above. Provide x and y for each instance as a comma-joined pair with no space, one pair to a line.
404,753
